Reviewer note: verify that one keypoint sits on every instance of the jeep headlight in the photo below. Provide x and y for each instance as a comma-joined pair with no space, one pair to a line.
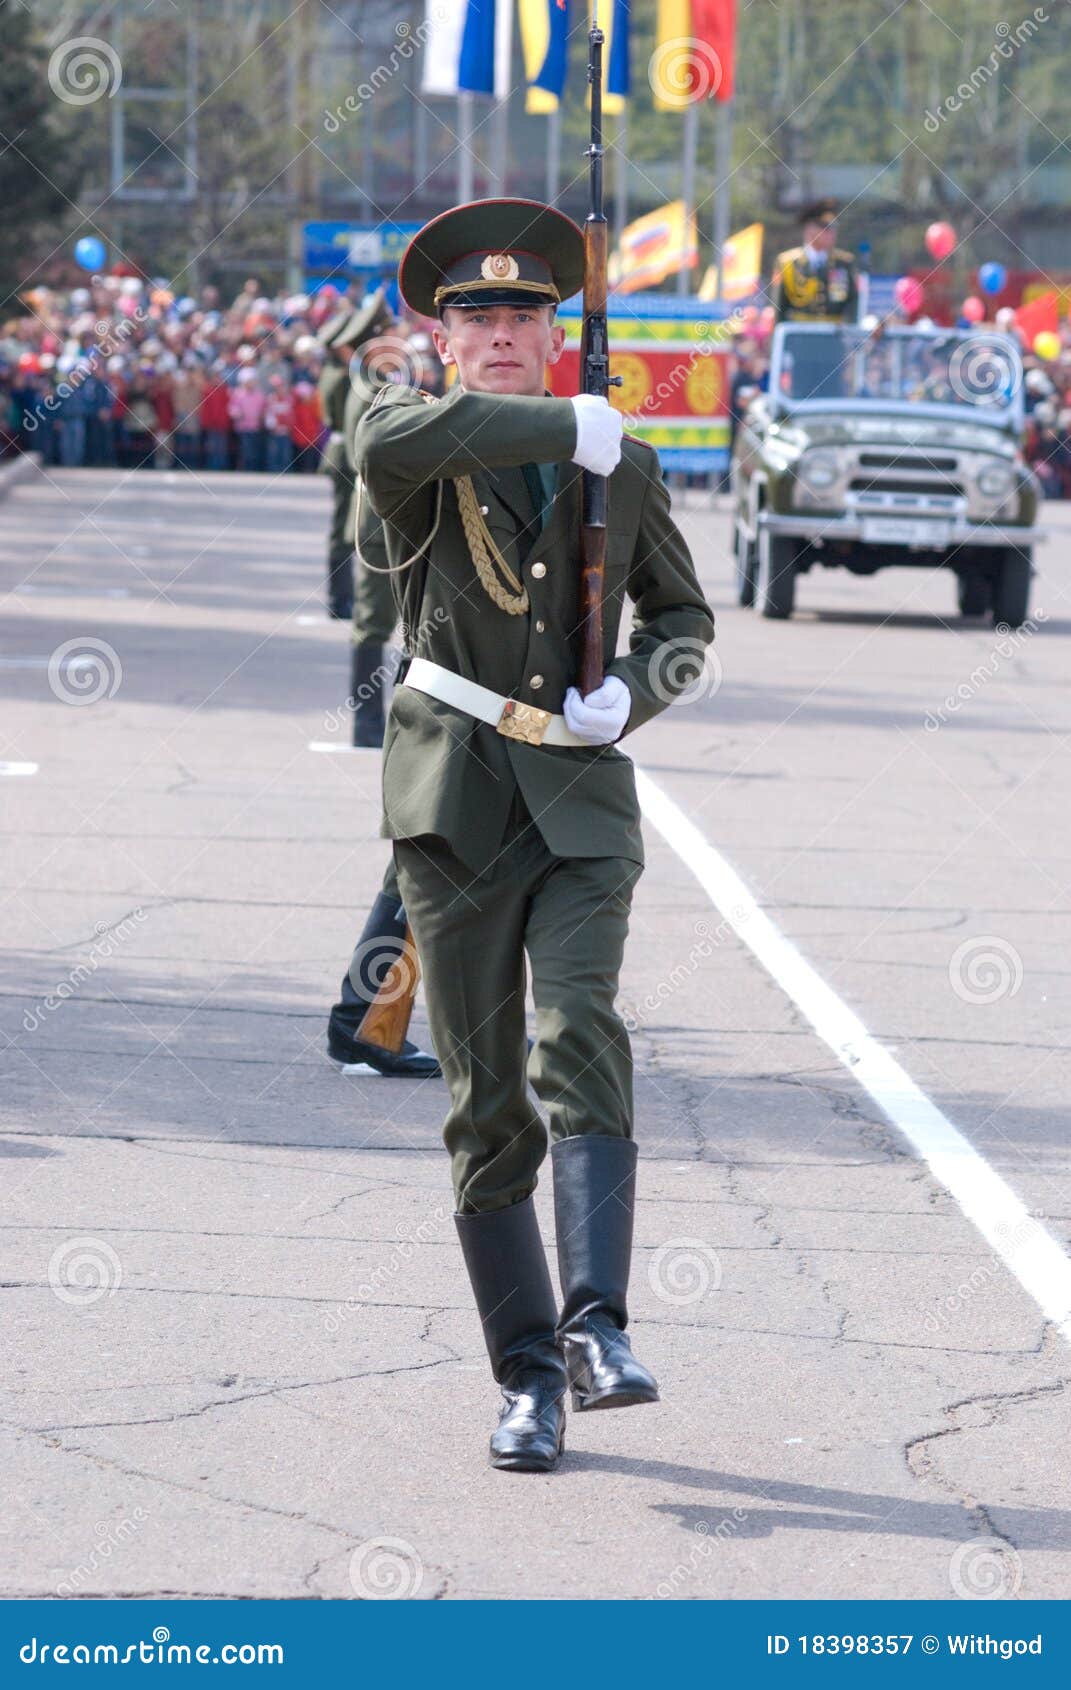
996,481
819,470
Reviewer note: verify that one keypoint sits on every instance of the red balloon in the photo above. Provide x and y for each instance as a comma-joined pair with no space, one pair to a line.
908,294
940,240
973,309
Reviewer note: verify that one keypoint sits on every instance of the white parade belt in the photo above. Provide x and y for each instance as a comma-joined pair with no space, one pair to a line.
525,722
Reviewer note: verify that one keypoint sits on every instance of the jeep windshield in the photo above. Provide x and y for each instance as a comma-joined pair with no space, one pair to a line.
977,374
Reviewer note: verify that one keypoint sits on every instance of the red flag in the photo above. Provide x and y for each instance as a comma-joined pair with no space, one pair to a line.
714,21
1040,315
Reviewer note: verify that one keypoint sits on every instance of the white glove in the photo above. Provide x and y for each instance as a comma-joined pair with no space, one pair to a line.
599,718
598,433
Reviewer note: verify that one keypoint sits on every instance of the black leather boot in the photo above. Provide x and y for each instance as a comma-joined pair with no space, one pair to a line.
379,944
594,1197
368,683
507,1265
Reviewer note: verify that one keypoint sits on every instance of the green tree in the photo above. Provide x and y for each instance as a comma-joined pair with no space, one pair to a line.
40,169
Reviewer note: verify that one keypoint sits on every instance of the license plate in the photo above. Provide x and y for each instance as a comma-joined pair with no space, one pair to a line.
905,531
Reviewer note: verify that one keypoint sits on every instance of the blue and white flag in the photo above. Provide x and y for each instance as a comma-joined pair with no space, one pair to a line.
467,47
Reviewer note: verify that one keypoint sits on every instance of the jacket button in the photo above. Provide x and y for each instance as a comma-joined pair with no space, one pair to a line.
536,682
539,570
541,627
484,509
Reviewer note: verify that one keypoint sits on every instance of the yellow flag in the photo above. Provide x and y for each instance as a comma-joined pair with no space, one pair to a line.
742,261
654,247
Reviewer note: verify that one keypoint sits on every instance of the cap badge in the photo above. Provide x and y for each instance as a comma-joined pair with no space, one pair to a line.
499,267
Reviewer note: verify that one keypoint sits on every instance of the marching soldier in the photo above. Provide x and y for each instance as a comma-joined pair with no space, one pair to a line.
374,612
339,336
514,816
816,282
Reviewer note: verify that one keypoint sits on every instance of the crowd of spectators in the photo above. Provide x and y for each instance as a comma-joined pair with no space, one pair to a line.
123,372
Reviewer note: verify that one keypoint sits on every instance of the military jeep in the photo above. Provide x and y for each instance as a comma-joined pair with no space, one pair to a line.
886,446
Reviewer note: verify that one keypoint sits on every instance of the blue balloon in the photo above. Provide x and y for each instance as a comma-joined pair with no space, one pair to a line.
992,278
90,252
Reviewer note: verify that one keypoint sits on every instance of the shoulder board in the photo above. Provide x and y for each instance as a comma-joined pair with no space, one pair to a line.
637,441
844,257
392,389
788,255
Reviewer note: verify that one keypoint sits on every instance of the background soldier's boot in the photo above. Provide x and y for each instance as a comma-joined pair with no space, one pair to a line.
379,944
367,685
340,587
594,1196
507,1265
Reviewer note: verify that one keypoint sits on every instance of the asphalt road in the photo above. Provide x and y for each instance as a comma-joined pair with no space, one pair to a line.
240,1348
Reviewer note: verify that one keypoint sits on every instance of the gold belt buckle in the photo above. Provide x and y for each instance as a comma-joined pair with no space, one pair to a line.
525,722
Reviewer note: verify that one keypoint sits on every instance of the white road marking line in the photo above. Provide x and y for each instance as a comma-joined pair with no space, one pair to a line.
1028,1251
337,745
19,768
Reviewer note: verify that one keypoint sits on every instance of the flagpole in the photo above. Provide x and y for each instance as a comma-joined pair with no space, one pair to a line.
689,144
499,145
465,189
554,154
723,189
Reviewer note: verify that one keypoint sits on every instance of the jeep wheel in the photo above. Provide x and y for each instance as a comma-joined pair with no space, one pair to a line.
744,551
1011,589
975,595
776,591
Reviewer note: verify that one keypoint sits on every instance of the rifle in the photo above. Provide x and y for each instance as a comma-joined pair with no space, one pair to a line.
595,378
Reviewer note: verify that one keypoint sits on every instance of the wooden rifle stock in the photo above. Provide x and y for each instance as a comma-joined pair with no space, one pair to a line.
386,1020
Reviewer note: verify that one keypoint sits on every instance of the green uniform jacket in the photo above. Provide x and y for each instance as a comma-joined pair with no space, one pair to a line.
444,772
333,386
803,294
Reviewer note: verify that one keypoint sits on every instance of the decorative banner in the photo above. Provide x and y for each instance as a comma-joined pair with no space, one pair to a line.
742,267
673,357
342,249
654,247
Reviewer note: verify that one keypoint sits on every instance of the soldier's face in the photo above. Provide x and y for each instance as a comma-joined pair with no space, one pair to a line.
499,348
821,237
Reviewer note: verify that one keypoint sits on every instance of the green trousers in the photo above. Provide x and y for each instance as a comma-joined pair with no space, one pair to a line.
570,916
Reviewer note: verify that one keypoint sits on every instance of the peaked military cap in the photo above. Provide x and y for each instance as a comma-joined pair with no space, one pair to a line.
821,211
331,326
368,319
493,252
